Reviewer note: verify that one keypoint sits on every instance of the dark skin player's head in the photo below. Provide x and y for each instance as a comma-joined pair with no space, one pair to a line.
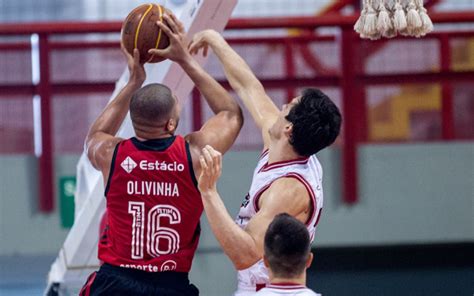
154,111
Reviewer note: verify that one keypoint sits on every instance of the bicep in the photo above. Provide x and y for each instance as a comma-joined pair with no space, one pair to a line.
285,195
257,227
220,132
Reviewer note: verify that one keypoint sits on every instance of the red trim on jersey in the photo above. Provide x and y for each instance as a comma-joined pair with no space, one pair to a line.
263,154
286,286
259,287
268,167
310,191
319,217
86,290
258,194
306,185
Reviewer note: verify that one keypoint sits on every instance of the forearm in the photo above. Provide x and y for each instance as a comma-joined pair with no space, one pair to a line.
237,71
238,245
243,80
110,120
216,96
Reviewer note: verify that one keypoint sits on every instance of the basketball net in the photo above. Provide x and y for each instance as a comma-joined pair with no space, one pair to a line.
388,18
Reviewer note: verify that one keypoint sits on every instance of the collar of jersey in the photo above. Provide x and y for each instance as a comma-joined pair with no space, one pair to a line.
153,144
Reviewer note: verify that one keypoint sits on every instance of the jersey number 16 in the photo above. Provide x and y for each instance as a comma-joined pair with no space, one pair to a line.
155,232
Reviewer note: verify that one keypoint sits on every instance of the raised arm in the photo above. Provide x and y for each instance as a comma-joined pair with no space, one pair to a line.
222,129
101,141
244,247
241,78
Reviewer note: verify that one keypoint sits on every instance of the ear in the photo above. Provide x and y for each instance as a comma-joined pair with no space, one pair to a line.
288,130
309,260
265,262
171,125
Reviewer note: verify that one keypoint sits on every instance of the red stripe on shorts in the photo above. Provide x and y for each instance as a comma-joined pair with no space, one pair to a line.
86,290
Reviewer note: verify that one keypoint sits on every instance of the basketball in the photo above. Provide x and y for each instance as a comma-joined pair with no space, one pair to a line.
139,30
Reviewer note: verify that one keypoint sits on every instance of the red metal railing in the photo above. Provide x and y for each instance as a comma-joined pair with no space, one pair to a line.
351,78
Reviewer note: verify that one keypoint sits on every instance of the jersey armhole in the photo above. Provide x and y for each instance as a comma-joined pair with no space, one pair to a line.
190,164
311,194
259,194
111,172
263,154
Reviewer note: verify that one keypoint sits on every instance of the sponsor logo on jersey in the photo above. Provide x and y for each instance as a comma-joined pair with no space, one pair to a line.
168,265
246,201
146,165
128,164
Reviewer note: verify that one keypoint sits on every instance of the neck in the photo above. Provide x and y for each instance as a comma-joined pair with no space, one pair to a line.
143,136
281,150
147,132
299,280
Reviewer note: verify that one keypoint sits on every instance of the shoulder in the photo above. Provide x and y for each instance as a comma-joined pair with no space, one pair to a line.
289,185
100,150
285,194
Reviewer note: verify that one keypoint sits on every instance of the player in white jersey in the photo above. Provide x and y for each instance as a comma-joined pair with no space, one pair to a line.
286,289
288,175
287,255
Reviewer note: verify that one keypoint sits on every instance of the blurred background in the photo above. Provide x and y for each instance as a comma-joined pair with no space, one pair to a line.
399,182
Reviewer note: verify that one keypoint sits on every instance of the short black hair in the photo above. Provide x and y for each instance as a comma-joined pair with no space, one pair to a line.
151,104
316,122
287,246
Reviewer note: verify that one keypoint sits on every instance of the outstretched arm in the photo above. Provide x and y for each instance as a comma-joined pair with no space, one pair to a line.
241,78
222,129
244,247
101,140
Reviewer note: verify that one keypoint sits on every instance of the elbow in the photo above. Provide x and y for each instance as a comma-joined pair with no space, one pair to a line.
90,151
238,117
91,133
87,144
235,117
246,259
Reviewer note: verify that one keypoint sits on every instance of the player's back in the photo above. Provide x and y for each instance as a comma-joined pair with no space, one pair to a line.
153,206
287,290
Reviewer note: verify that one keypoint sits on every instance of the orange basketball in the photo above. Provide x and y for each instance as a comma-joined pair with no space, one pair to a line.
139,30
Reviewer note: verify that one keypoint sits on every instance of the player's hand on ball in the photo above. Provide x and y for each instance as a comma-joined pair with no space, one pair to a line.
135,68
211,168
176,51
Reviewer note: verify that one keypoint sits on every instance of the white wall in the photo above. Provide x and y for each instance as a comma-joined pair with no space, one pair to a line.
23,230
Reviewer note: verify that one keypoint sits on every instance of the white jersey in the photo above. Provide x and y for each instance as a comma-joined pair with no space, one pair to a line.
286,289
306,170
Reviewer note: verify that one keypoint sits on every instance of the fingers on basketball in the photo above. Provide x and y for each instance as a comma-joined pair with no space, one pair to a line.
171,23
139,30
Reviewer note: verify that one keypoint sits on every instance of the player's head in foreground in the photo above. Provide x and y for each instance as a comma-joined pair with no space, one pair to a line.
154,109
287,248
309,123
